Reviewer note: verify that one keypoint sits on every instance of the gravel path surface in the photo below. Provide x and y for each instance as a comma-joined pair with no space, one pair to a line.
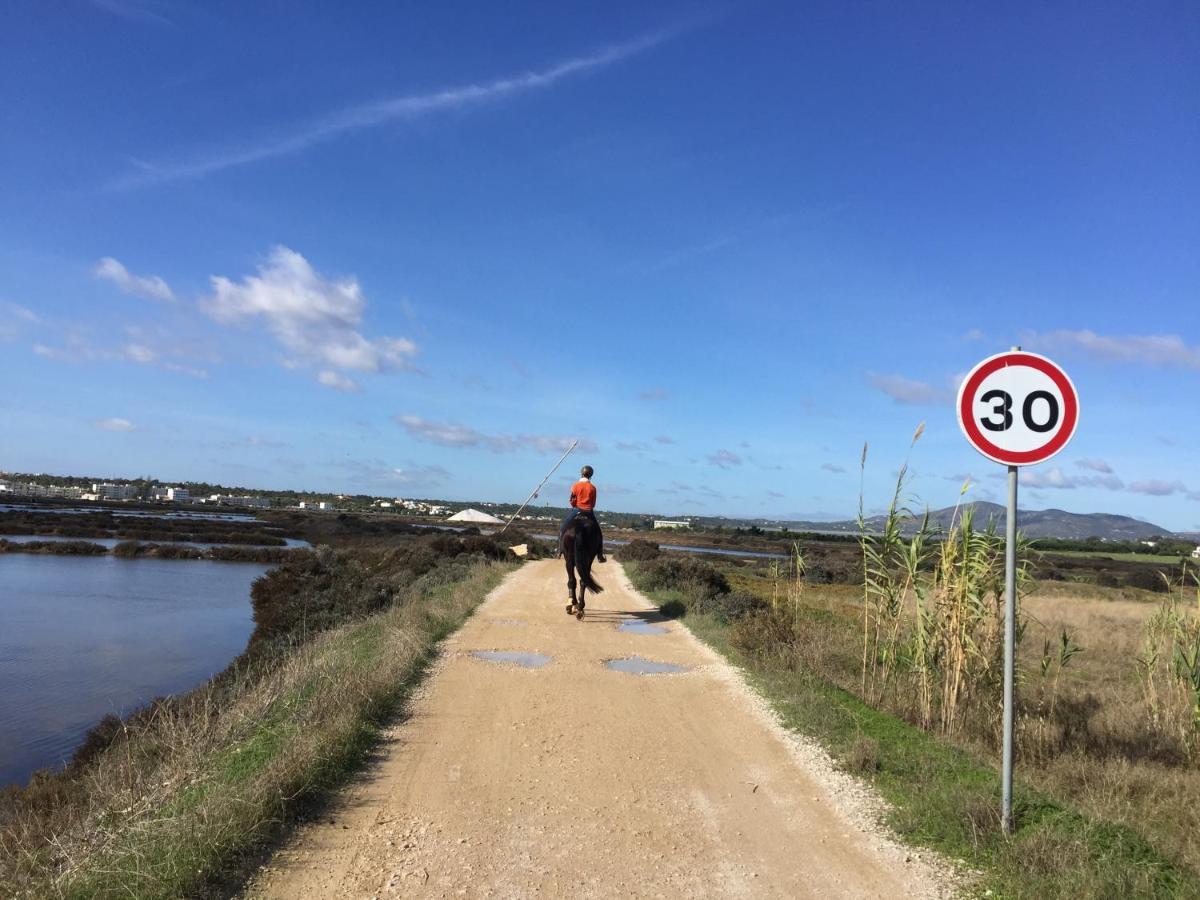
571,779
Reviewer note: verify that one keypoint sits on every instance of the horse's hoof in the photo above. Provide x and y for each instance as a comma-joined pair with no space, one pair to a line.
579,614
570,609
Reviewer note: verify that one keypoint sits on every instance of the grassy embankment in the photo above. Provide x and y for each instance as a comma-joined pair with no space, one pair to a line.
175,800
1100,812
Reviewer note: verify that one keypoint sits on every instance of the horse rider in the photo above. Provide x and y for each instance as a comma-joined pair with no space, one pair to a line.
583,500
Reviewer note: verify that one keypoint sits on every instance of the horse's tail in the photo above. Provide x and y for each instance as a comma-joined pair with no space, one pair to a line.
583,557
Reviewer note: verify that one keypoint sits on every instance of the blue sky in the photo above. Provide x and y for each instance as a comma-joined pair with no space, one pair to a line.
410,251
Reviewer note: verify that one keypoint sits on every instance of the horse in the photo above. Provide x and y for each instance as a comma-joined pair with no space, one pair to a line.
580,543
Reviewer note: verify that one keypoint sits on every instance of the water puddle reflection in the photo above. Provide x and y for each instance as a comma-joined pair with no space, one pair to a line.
636,665
637,626
514,657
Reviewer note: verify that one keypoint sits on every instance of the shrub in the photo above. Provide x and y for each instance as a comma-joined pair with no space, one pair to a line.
682,573
638,550
1147,579
770,631
732,606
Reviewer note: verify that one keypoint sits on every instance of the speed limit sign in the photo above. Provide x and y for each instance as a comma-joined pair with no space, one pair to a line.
1018,408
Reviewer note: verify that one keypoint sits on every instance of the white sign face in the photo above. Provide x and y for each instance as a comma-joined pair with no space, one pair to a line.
1018,408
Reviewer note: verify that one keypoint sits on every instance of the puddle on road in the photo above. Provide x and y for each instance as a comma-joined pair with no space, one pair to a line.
636,665
637,626
516,658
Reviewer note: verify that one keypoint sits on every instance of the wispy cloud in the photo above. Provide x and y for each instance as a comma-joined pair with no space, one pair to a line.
1095,465
664,439
14,319
651,394
149,286
314,318
724,459
338,381
453,434
381,476
717,243
402,108
114,424
78,350
909,392
143,11
834,468
1156,487
1167,350
1056,478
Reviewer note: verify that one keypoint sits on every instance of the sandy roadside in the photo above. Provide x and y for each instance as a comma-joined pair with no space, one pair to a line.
576,780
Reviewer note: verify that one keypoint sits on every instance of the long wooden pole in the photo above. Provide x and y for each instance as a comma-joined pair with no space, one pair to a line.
534,492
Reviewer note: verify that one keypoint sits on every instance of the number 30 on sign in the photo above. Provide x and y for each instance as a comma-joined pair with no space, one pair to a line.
1018,408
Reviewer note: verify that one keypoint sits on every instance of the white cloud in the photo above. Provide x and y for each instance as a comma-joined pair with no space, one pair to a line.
1147,349
452,434
664,439
834,468
149,286
404,108
907,391
314,318
114,424
1096,465
338,381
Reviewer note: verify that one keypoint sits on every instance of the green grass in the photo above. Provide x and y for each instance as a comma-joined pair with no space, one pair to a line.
1160,558
943,798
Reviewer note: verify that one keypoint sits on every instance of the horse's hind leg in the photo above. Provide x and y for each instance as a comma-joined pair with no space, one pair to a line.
581,604
571,588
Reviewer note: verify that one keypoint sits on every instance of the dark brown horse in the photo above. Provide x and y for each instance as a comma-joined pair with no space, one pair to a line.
580,543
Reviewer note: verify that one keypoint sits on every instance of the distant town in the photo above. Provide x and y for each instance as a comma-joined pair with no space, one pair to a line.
1102,528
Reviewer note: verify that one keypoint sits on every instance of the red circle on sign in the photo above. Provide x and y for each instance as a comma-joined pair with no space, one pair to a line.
966,402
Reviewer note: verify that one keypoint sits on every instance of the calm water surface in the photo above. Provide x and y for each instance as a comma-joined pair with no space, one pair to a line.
81,637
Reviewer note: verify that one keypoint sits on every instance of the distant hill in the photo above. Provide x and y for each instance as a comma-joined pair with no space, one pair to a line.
1040,523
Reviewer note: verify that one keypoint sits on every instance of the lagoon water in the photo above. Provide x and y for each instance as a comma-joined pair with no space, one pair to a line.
81,637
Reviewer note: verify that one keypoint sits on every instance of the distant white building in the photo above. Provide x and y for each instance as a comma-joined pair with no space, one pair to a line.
668,523
178,494
1196,553
109,491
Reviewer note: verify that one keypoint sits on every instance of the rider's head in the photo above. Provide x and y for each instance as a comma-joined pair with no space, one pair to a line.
586,471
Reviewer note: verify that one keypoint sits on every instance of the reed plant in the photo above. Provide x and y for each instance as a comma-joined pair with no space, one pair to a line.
933,608
1169,666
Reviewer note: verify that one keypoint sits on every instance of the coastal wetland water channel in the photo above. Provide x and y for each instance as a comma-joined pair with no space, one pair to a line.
85,636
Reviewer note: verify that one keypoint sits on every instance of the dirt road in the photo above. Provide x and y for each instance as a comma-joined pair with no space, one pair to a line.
576,780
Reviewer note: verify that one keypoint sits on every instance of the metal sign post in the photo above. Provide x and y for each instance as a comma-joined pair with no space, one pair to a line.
1010,650
1018,409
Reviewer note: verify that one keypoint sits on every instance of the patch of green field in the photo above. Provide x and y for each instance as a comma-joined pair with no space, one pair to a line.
1173,560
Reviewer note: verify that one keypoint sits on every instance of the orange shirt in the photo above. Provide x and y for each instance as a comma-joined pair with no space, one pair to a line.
583,495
